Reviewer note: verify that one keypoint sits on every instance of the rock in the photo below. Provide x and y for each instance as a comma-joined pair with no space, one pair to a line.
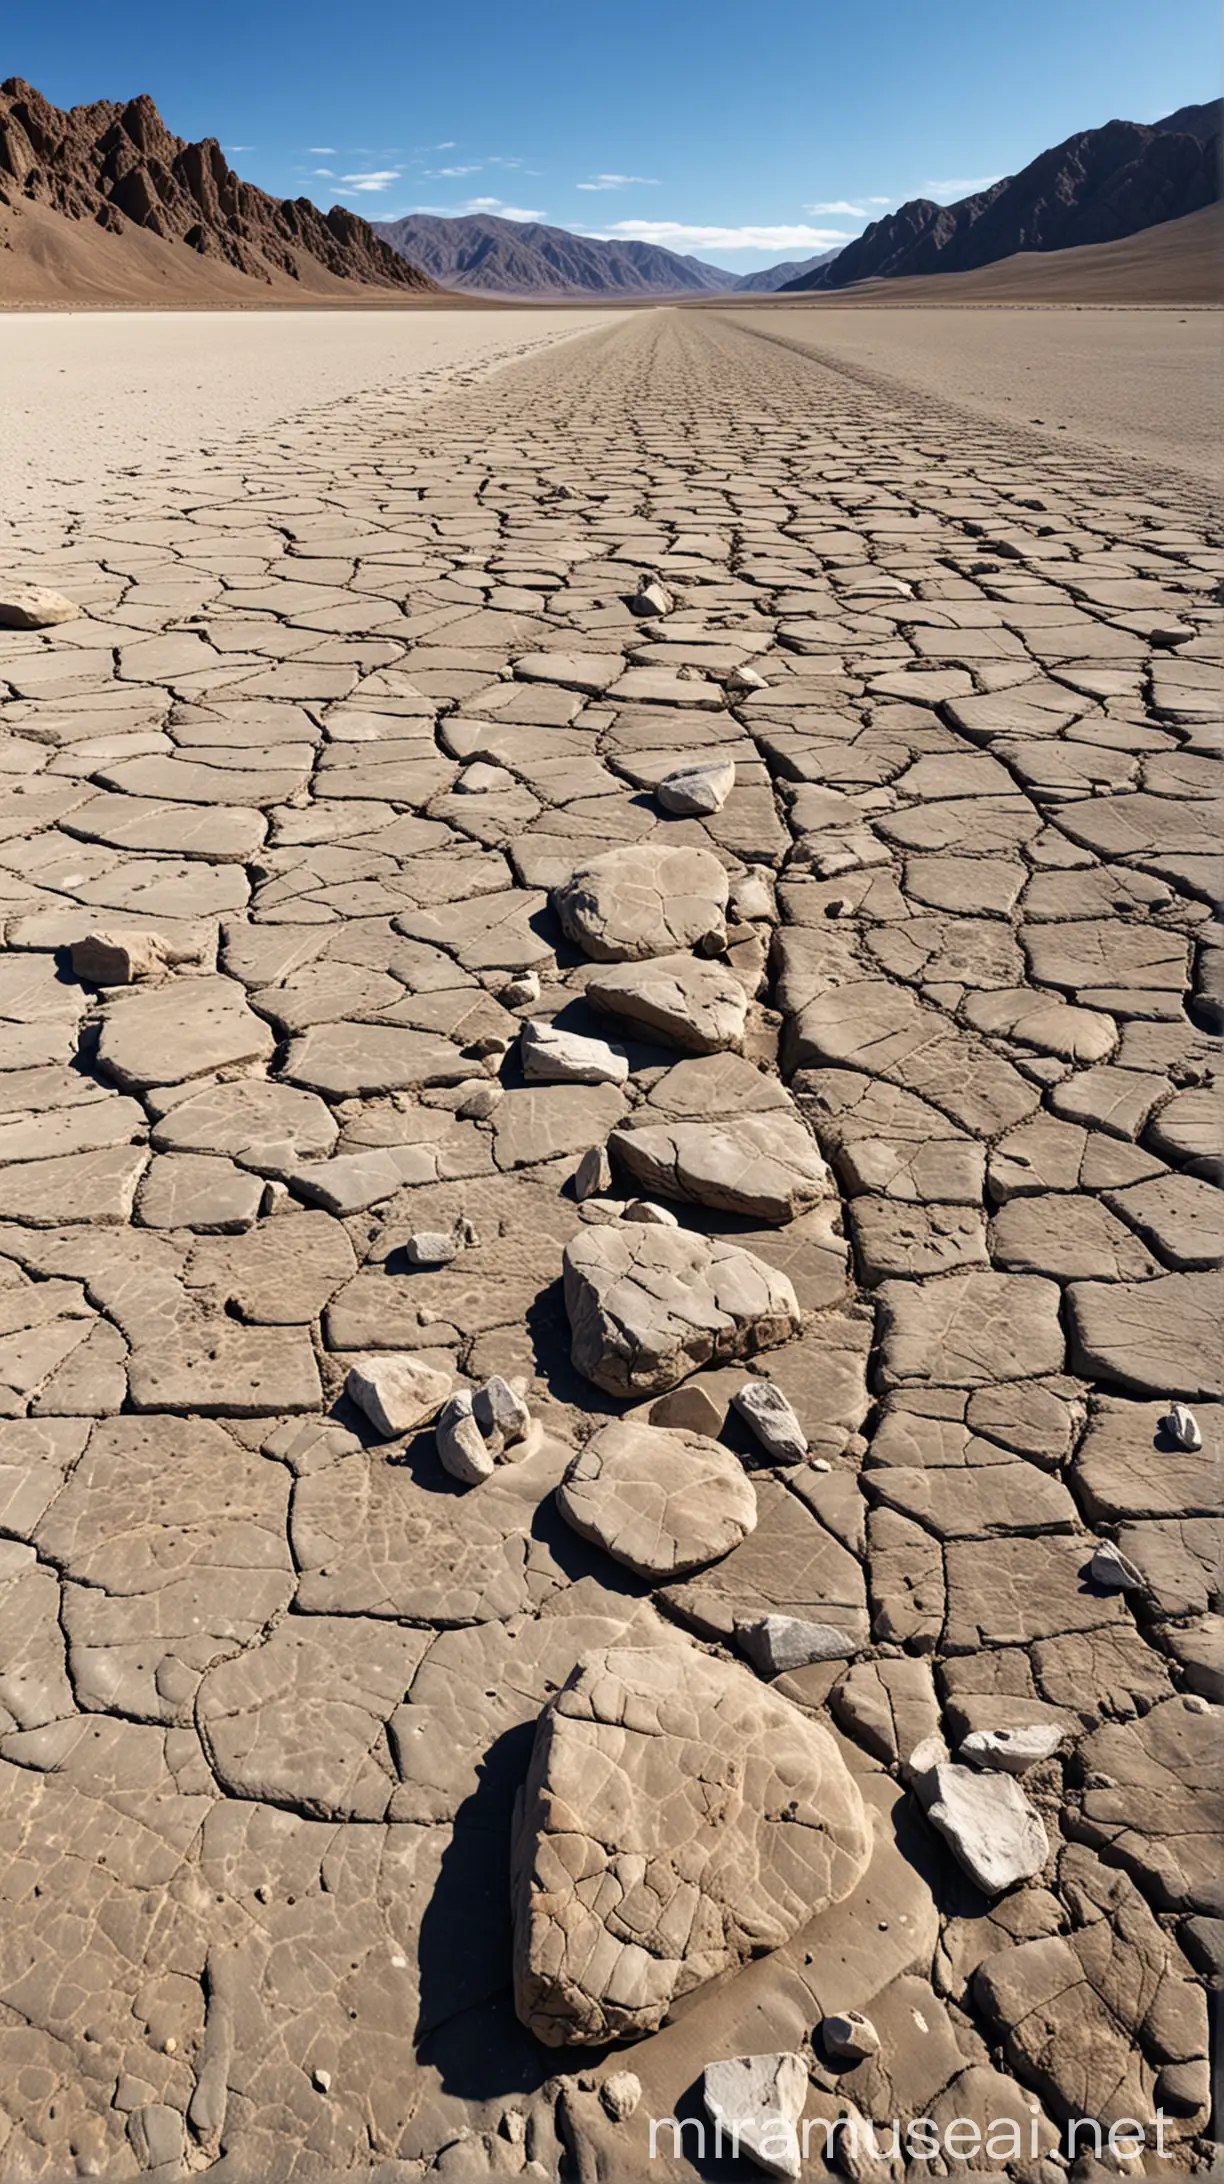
766,1167
462,1448
1182,1427
621,2094
660,1500
647,1305
1012,1751
117,959
996,1835
644,1209
651,598
777,1644
564,1057
397,1393
772,1418
757,2101
521,990
645,900
667,1761
1109,1567
499,1409
849,2036
33,606
593,1175
693,1004
742,681
697,791
431,1247
478,1096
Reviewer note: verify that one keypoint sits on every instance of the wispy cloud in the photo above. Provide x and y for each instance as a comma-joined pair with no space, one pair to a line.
323,174
619,182
237,147
381,180
841,204
446,174
476,204
877,200
321,151
448,145
961,187
680,235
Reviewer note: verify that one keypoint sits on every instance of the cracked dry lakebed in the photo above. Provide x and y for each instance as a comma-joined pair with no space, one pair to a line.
610,1225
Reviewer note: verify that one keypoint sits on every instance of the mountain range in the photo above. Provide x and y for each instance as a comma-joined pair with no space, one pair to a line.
119,167
480,255
1096,187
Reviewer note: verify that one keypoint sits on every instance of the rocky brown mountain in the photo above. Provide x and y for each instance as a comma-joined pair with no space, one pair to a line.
1096,187
115,164
475,252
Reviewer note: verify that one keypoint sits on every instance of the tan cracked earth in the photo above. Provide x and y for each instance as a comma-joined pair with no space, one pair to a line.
345,705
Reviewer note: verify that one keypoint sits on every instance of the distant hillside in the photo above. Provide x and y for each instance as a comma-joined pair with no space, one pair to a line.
68,180
1097,187
485,256
773,277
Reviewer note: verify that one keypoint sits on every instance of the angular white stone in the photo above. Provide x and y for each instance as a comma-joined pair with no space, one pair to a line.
989,1824
397,1393
565,1057
696,791
775,1644
1012,1751
772,1418
758,2100
849,2035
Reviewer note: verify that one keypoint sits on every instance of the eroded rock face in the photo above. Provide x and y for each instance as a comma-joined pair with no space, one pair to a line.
676,1819
660,1500
647,1305
645,900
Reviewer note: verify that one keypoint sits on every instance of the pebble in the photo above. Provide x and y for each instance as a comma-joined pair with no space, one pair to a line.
1012,1751
499,1409
772,1418
644,1209
1112,1569
593,1175
398,1393
849,2035
462,1449
621,2094
430,1247
1182,1426
521,990
697,791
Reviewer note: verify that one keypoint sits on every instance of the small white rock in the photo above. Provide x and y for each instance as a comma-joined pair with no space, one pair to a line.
398,1393
696,791
1182,1426
758,2100
752,899
849,2036
593,1175
621,2094
989,1824
33,606
775,1644
521,990
118,959
744,679
772,1418
1112,1569
321,2079
565,1057
1012,1751
462,1448
644,1209
480,1095
651,598
430,1247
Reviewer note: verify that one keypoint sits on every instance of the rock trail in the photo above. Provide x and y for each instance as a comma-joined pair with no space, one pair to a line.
878,1070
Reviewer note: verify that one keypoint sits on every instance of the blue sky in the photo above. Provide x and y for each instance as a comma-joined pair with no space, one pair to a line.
743,131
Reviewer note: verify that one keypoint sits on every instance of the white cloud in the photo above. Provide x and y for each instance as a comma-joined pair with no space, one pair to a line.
237,147
323,174
445,174
678,235
619,182
378,181
962,187
839,204
478,204
321,151
495,161
877,200
447,146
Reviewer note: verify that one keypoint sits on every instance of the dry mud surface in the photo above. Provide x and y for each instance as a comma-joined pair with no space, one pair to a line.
348,704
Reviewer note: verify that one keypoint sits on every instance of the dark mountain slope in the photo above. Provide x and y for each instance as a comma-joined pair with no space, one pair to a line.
1097,187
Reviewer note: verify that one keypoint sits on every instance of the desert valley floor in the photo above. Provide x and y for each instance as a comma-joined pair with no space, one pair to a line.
912,1038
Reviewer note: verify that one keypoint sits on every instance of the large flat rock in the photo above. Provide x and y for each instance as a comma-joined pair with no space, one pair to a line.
649,1305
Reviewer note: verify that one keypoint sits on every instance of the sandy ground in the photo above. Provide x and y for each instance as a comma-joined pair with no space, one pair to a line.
85,395
1145,383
